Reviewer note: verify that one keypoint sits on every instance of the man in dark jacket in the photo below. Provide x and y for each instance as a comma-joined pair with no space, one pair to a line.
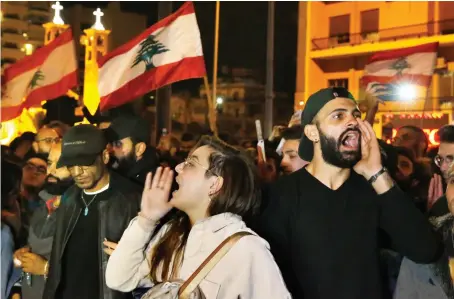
130,136
33,258
98,207
322,221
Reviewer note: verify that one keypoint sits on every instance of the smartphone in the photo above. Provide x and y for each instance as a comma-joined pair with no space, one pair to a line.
261,142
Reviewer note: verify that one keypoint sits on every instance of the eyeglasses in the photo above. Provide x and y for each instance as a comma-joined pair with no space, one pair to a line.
35,168
190,162
439,160
72,169
50,140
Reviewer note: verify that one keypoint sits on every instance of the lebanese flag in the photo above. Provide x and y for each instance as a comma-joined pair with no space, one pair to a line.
45,75
167,52
413,66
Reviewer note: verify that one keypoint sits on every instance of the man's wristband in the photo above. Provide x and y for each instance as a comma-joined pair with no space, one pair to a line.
375,176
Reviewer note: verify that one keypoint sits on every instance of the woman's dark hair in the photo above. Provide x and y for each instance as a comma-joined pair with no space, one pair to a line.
239,194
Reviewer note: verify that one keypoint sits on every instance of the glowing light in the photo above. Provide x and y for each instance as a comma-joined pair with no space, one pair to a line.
219,101
8,129
98,25
24,34
407,92
57,17
28,49
301,103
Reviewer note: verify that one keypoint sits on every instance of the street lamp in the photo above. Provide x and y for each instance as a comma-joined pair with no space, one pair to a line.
219,100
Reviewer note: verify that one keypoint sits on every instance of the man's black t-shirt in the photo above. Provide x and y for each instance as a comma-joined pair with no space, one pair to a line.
326,241
80,263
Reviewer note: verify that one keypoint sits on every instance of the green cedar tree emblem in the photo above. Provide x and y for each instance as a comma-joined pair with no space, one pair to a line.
400,65
149,47
38,76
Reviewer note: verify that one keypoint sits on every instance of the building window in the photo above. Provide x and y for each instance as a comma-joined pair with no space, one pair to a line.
339,29
10,45
338,83
10,30
8,61
369,21
11,16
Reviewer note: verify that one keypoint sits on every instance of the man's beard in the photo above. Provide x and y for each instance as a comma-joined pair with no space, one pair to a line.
126,162
59,187
332,154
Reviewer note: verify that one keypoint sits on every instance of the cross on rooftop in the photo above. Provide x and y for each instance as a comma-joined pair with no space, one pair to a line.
57,17
98,25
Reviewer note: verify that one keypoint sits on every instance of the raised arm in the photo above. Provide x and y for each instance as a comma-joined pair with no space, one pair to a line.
129,266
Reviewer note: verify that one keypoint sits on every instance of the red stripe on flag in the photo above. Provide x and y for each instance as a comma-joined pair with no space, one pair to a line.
187,68
37,58
46,93
9,113
186,9
395,54
51,91
406,78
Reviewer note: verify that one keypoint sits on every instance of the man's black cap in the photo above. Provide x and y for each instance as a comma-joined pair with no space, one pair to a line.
81,145
313,105
128,126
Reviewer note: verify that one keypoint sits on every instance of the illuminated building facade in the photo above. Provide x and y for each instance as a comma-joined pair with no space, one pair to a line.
339,37
22,30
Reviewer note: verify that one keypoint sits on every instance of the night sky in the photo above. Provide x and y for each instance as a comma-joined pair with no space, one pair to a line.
242,41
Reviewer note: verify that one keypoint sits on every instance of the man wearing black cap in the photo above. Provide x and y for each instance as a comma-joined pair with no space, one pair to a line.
130,136
322,221
98,207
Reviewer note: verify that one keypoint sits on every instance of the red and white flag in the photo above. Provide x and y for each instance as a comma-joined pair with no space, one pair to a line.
167,52
413,66
45,75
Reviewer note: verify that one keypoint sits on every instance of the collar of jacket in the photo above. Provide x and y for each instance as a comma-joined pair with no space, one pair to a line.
44,195
216,222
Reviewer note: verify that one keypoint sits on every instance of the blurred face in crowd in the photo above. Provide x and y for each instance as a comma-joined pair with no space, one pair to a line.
88,177
404,168
58,180
23,148
186,146
195,182
411,140
445,157
34,174
291,161
338,133
127,153
44,140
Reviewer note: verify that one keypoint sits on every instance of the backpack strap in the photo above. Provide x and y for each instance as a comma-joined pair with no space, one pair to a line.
208,264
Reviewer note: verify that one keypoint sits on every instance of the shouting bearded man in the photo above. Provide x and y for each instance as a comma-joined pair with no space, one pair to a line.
322,221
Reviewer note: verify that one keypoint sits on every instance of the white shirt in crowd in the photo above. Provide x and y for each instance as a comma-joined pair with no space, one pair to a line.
247,271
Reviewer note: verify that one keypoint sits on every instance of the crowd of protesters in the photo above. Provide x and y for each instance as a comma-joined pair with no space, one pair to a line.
329,211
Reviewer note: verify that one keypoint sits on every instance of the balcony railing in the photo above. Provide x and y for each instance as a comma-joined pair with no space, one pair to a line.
392,34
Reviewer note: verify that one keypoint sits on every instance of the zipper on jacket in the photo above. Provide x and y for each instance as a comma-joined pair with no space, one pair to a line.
44,226
72,229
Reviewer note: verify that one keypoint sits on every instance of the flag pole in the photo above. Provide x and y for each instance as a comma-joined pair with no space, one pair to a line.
215,63
269,71
211,109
